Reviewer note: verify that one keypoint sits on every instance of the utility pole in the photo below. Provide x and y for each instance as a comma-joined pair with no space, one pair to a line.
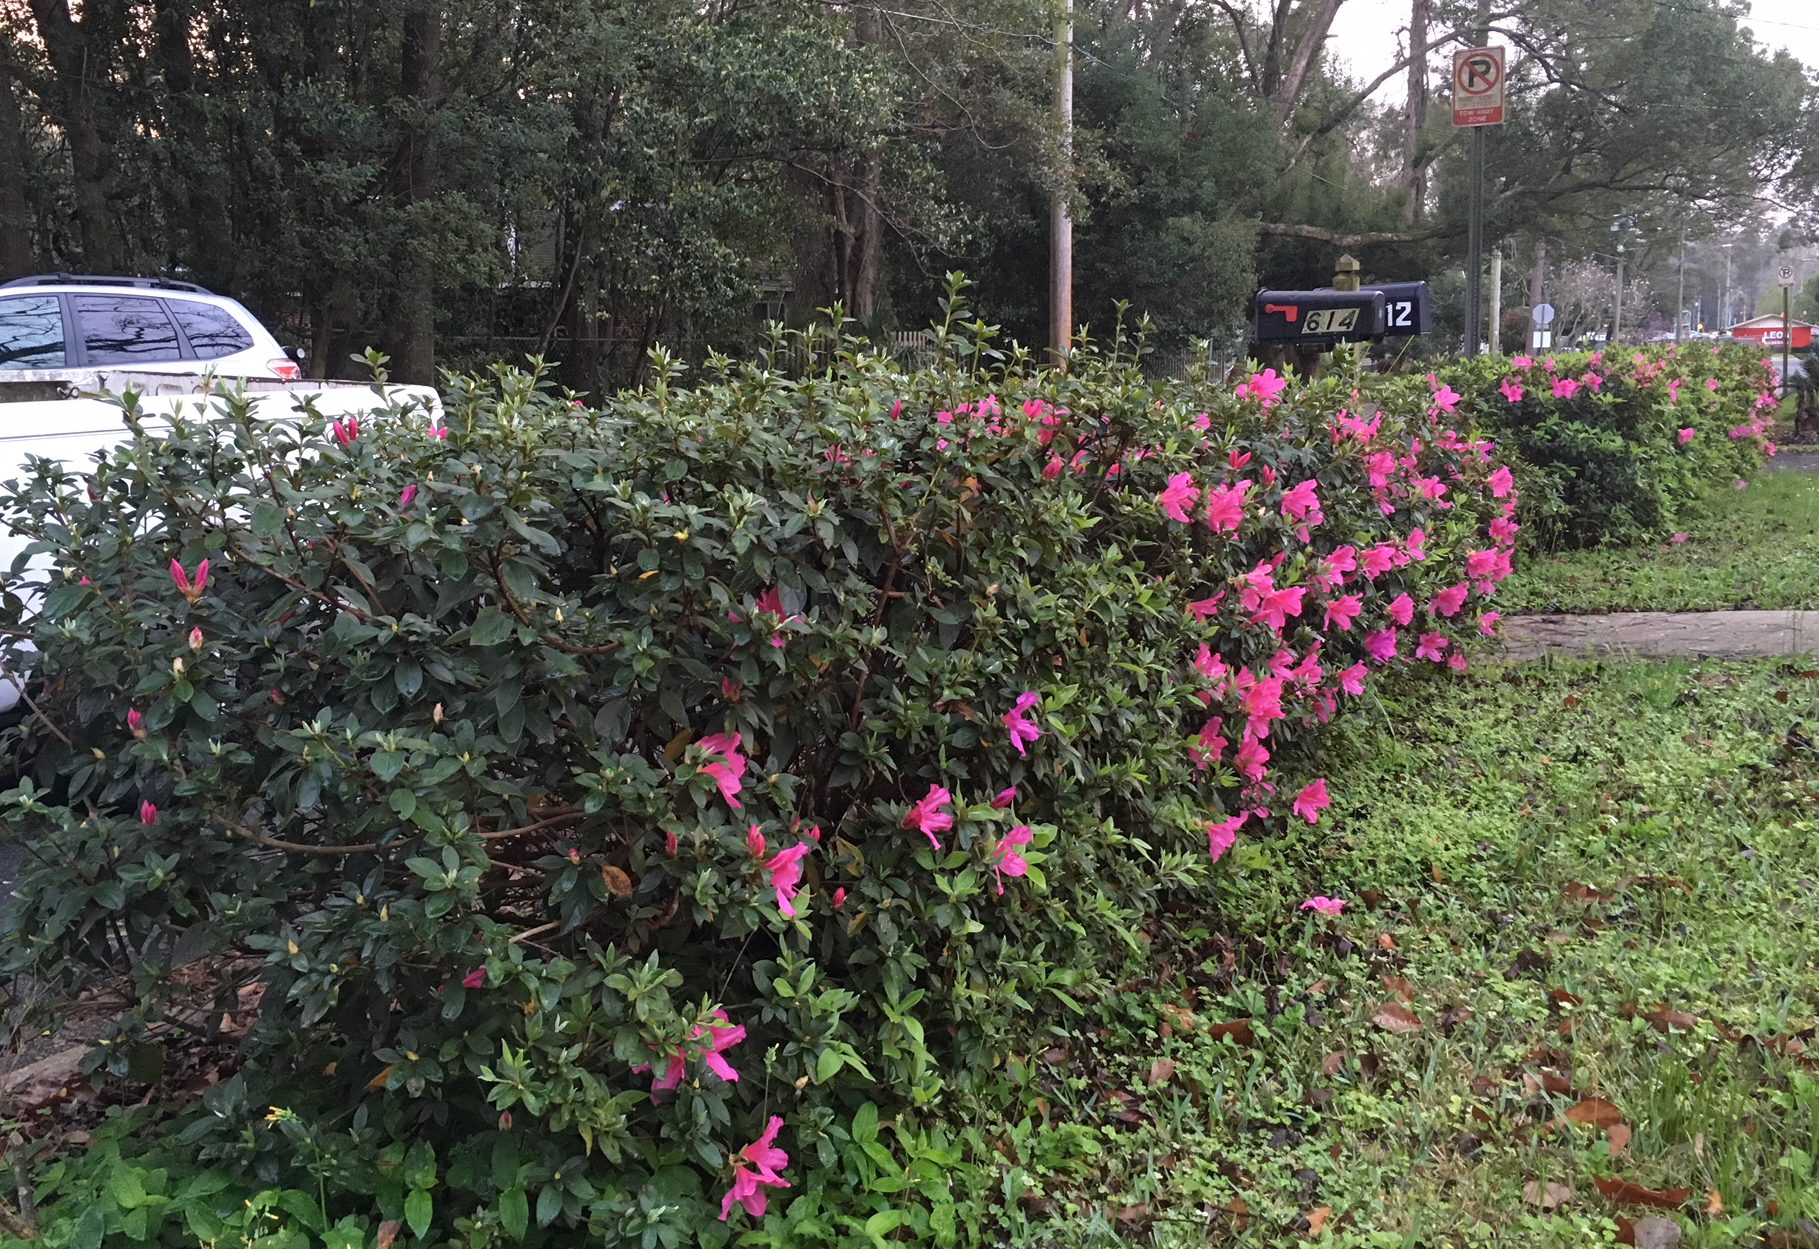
1537,288
1617,317
1061,221
1474,248
1680,306
1497,302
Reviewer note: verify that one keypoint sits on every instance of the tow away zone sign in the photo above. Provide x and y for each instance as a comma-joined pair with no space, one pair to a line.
1478,87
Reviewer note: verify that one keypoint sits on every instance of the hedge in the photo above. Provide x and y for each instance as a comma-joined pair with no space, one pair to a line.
1624,445
650,796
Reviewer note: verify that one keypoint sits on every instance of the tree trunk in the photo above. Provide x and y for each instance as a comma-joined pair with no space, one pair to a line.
412,322
1414,170
197,200
1285,91
80,77
15,209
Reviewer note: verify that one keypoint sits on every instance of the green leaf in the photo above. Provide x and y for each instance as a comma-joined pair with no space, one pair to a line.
89,1228
403,803
491,627
549,1205
827,1066
514,1212
418,1208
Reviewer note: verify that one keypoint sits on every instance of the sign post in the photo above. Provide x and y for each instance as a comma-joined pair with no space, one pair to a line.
1543,316
1786,277
1477,103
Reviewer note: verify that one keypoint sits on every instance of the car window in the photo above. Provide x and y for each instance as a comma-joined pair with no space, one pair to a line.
212,332
31,332
123,329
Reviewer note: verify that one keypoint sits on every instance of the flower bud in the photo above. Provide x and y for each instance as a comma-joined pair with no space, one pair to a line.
195,641
177,666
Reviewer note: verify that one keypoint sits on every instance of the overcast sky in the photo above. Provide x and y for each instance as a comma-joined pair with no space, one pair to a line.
1366,35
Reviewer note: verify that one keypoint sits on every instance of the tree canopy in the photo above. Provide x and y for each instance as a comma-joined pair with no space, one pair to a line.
458,179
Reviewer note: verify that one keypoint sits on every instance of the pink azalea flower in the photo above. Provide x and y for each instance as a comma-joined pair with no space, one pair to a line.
1223,834
1381,645
1251,759
1351,679
1687,435
1264,386
1206,608
148,814
785,871
1005,798
1006,857
1522,362
1209,746
1180,495
840,897
1673,391
1052,469
1324,905
1450,600
1711,383
1277,606
438,432
1225,506
756,1168
1378,560
1501,482
475,979
1022,731
1302,501
897,410
1741,484
670,845
1402,609
1237,459
1447,399
927,817
1342,611
135,722
346,432
1416,546
1210,665
406,497
754,841
1487,623
1565,388
1480,564
1457,661
1311,801
1512,390
1678,538
1432,647
728,770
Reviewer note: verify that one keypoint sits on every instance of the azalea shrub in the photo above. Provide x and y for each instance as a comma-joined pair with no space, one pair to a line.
1622,445
624,823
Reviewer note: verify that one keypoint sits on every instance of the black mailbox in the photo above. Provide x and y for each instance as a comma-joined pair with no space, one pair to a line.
1319,318
1406,309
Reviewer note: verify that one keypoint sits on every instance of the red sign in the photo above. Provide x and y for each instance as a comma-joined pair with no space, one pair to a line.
1478,87
1771,335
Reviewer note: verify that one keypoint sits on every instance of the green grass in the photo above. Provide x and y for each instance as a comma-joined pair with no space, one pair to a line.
1640,837
1759,550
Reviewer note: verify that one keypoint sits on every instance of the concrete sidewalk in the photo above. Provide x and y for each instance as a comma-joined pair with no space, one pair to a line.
1665,635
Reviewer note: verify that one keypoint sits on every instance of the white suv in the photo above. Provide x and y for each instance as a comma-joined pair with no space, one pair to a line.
79,323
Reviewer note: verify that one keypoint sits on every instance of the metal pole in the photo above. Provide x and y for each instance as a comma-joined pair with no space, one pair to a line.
1617,319
1474,248
1497,301
1724,310
1061,221
1680,307
1787,337
1537,291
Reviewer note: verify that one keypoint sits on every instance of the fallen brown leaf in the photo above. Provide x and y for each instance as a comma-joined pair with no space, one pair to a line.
378,1082
1316,1219
1636,1195
1714,1203
1560,997
1395,1017
616,881
1332,1064
388,1232
1580,892
1239,1030
1160,1071
1180,1016
1385,941
1619,1136
1594,1112
1240,1212
1400,987
1556,1083
1549,1196
1666,1020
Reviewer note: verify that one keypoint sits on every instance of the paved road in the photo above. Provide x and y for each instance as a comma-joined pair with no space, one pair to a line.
1664,635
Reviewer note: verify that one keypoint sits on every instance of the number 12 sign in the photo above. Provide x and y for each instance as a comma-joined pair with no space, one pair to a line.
1478,87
